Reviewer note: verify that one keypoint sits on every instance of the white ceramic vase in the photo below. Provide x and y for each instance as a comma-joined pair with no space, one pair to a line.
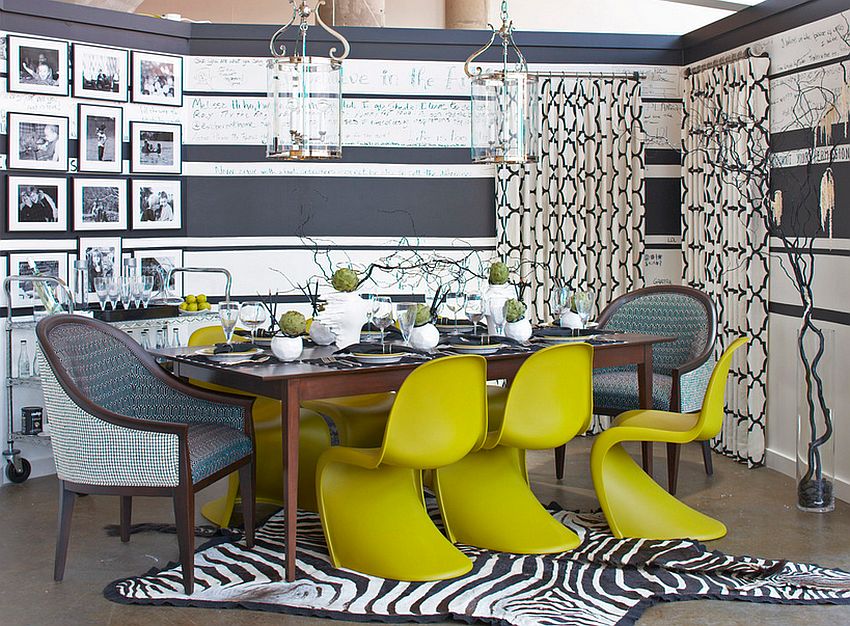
506,291
569,319
344,316
519,330
287,348
424,337
321,334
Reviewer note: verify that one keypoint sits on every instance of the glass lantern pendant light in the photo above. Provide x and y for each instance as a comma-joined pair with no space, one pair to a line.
305,94
505,106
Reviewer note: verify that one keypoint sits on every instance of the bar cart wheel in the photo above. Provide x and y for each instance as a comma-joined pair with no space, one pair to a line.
16,475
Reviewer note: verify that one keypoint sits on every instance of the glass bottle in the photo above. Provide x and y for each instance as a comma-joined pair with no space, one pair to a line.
81,287
35,369
146,342
175,340
24,370
160,339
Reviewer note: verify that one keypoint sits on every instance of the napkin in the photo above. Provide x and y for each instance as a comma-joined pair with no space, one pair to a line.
225,348
476,340
448,321
390,331
556,331
375,348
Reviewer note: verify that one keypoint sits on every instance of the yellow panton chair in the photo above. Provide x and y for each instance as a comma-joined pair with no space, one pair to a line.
634,504
485,498
371,501
314,438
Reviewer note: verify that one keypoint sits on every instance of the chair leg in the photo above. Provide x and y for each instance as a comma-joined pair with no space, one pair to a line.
673,452
706,458
247,483
126,514
560,460
646,456
66,508
184,514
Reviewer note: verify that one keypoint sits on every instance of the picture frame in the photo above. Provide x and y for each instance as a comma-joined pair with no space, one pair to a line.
37,204
48,264
156,263
37,142
100,73
36,65
103,259
100,204
157,204
101,139
157,78
156,148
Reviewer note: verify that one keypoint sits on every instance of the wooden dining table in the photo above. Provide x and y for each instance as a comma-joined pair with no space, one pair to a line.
293,383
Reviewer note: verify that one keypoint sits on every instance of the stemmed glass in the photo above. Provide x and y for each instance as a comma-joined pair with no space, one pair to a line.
406,316
455,302
228,313
113,291
474,310
382,315
561,301
253,314
584,304
147,290
101,288
369,297
126,294
496,314
136,289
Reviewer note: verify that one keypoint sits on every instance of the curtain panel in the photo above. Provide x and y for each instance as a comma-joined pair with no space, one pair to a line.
575,218
725,236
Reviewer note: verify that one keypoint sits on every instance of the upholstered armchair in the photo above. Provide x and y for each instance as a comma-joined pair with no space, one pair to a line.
121,425
682,367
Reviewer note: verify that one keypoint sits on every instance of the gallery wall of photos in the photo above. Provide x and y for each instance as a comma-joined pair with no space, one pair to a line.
95,190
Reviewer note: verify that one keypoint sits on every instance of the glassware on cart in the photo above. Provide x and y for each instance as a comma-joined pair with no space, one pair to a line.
126,294
24,370
147,289
81,285
101,288
114,292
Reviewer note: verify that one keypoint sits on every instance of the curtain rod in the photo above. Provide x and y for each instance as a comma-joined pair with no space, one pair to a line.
743,54
636,76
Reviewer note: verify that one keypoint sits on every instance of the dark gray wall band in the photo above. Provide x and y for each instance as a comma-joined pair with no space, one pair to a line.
351,154
663,206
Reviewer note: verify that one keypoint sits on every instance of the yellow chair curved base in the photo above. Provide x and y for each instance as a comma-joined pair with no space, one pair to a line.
487,503
360,420
638,507
376,523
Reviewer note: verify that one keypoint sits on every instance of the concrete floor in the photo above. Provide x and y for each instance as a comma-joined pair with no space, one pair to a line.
756,505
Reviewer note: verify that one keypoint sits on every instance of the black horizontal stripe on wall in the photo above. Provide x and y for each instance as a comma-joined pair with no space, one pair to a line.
663,206
810,66
350,154
662,156
821,315
663,246
804,139
319,244
331,206
812,250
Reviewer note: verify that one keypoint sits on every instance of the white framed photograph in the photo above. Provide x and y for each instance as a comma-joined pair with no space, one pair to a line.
100,204
37,65
156,148
157,204
103,259
157,78
158,263
38,142
101,139
48,264
100,73
37,204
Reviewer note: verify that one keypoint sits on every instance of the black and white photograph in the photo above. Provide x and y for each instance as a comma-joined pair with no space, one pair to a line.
37,204
38,65
38,142
101,141
100,204
156,148
46,264
157,263
157,204
157,79
100,73
103,259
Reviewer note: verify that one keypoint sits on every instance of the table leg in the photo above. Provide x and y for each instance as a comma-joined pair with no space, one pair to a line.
645,397
290,422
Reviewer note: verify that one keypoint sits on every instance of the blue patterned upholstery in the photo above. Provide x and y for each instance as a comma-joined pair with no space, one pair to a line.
617,390
212,447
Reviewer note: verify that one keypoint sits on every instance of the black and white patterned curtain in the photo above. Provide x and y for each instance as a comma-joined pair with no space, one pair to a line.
725,238
576,217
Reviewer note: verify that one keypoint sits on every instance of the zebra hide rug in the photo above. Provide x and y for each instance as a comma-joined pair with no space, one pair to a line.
605,581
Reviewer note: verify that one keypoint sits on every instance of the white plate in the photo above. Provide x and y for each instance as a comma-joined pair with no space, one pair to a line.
378,359
473,349
564,339
228,356
459,327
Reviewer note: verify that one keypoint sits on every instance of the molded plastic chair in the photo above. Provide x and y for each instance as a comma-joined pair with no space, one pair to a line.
121,425
314,438
634,504
681,368
485,497
371,501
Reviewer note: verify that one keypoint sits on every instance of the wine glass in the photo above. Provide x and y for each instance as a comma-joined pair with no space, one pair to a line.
101,288
455,302
228,313
560,301
406,317
584,304
113,292
382,315
136,289
369,297
474,310
496,314
126,294
253,314
147,289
